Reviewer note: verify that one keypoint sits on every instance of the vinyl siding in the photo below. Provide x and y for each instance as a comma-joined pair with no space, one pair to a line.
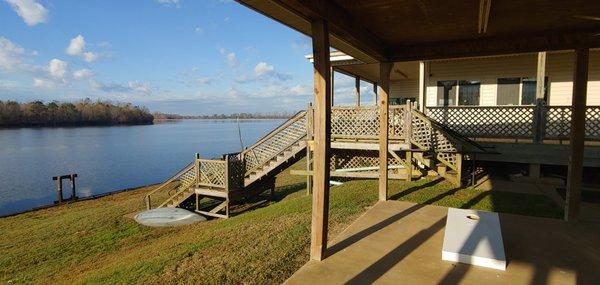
408,88
559,70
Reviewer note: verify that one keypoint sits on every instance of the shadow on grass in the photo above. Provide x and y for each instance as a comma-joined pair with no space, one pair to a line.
416,188
265,199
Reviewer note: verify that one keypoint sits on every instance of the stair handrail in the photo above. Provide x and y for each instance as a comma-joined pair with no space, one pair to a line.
273,156
450,134
167,182
172,197
284,125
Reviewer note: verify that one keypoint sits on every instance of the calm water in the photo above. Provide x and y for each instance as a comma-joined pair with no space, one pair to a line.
109,158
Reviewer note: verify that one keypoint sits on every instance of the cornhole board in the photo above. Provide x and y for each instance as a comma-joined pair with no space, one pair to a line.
168,217
474,237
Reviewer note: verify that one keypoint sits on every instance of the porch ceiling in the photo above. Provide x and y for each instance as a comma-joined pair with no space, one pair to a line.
402,30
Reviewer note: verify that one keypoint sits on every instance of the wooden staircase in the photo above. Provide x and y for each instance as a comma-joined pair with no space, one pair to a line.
235,175
425,143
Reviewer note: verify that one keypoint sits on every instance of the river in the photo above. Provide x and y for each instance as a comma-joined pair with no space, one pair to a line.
111,158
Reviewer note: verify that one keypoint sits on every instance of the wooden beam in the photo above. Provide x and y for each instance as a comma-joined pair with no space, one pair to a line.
332,84
575,169
375,100
385,69
540,75
322,141
496,46
484,15
423,76
357,89
342,24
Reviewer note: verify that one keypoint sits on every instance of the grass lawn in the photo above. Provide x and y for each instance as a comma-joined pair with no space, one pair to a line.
96,242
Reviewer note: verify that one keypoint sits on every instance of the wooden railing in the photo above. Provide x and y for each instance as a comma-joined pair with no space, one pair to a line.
537,122
405,123
275,142
182,180
351,122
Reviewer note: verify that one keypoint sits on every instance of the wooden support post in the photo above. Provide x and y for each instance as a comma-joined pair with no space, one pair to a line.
409,165
540,75
197,163
538,121
59,189
423,76
535,171
73,192
580,80
322,139
408,124
375,101
357,89
384,90
332,94
538,113
309,142
459,169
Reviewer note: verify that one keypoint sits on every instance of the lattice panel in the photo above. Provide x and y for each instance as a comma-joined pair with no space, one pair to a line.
396,122
187,178
592,122
346,159
500,121
363,122
282,139
557,122
212,172
236,171
355,122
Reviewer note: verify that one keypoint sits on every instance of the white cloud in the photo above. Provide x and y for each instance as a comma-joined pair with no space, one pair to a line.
198,29
10,54
262,68
230,56
31,11
299,90
169,2
90,56
140,87
43,83
57,68
204,80
131,87
82,73
76,46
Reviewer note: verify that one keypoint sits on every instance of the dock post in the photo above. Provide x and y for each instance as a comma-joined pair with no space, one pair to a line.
58,188
73,192
309,139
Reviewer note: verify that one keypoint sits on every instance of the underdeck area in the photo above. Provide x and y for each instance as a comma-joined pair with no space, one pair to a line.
401,243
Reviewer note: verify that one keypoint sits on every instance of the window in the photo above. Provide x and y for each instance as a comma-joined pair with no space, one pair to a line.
517,90
468,92
528,93
508,91
446,93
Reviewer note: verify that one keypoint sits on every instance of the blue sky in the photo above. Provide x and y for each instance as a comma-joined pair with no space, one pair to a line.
177,56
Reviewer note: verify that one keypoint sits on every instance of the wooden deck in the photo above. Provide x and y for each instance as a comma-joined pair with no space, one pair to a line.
400,243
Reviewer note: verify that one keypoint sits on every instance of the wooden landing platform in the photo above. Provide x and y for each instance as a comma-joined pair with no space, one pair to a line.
537,153
401,243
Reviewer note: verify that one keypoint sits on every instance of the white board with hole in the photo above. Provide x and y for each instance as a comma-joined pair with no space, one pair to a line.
474,237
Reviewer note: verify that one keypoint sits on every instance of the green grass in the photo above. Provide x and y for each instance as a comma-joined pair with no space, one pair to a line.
96,241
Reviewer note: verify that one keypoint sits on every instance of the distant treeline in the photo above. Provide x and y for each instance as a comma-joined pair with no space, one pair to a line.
282,115
84,112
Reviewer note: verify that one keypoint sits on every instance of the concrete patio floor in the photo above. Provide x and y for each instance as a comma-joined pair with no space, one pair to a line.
400,243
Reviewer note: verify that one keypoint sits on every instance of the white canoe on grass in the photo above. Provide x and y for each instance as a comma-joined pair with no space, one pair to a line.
168,217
